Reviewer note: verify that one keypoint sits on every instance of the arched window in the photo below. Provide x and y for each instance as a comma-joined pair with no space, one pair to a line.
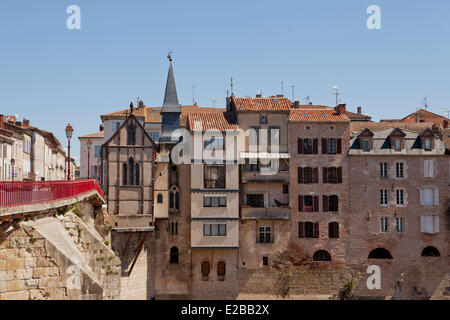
321,255
138,172
174,253
174,198
221,271
160,198
380,253
131,130
430,252
124,174
205,270
131,175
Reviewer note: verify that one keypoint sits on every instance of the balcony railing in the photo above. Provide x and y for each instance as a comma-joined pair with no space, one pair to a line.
215,183
34,192
276,213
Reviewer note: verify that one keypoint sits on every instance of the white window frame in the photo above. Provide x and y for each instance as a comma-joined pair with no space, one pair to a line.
384,224
384,170
429,224
400,197
399,224
399,170
428,168
384,197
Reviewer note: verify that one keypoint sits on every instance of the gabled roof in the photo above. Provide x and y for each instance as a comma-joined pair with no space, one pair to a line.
425,113
123,114
223,121
261,104
358,117
427,133
366,133
358,126
397,132
316,115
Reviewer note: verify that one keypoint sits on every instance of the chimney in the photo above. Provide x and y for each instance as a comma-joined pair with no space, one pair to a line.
18,123
340,109
26,122
417,117
445,124
359,110
296,104
280,95
259,95
102,128
2,120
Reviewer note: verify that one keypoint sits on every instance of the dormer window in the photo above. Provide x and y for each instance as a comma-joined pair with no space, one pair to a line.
427,139
366,145
428,144
263,119
366,140
398,145
397,137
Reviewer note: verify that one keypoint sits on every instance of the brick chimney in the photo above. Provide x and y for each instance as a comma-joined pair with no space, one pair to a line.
102,128
2,120
26,122
296,104
445,124
416,116
340,109
359,110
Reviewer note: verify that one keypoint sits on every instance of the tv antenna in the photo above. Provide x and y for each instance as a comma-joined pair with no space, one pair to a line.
306,99
446,112
282,89
193,94
336,93
293,91
214,101
425,102
231,86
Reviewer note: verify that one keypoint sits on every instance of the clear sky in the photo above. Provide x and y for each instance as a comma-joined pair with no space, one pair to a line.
52,75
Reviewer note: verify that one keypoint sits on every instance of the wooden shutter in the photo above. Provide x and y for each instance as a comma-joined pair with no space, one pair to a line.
436,196
324,146
300,175
339,146
325,175
422,196
300,146
325,203
315,203
333,230
316,230
315,177
301,233
315,146
336,203
339,174
300,203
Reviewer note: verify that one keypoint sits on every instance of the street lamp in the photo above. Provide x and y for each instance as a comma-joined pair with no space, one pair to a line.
13,162
69,131
89,145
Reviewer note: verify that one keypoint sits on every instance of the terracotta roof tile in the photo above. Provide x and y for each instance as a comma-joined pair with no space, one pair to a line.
357,127
122,114
212,121
262,104
99,134
314,115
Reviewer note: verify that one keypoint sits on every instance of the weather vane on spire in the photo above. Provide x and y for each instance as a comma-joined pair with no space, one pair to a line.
169,56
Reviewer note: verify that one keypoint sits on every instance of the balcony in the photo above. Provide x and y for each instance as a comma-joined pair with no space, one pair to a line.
271,213
214,184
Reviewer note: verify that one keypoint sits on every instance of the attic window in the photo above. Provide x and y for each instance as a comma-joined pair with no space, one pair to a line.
324,115
306,114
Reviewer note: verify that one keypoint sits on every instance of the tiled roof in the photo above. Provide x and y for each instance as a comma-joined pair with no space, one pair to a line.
122,114
424,113
262,104
212,121
186,110
153,115
357,127
313,106
314,115
99,134
353,115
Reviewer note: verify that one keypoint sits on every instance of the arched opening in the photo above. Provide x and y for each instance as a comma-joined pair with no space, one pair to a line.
321,255
174,253
206,268
431,252
174,198
138,174
159,198
131,175
221,271
380,253
124,174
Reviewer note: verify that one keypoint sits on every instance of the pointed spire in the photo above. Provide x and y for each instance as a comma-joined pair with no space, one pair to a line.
170,97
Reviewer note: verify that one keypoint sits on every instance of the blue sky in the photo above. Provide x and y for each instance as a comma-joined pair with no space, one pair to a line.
52,75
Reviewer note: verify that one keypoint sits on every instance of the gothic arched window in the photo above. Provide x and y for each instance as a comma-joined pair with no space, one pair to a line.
131,130
124,174
174,253
131,175
138,181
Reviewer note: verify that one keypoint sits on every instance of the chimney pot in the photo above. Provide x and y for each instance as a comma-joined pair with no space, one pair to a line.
2,120
296,104
26,122
340,109
359,110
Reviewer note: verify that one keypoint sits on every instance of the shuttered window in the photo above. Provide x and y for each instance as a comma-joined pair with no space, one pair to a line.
333,230
428,168
429,224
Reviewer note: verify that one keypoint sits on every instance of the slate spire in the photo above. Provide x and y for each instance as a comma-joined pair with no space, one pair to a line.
170,97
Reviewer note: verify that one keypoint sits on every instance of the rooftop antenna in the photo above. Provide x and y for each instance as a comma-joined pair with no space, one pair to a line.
282,89
293,95
214,101
336,93
307,99
231,86
446,112
425,102
193,94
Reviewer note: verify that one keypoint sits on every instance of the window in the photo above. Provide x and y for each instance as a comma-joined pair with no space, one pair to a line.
383,170
275,133
264,234
174,253
124,174
174,228
427,144
398,145
221,271
160,198
321,255
214,230
366,145
308,146
429,224
285,189
330,203
308,175
430,252
380,253
131,173
131,134
333,230
308,230
138,172
255,200
116,126
308,202
214,202
384,224
429,196
428,168
206,268
265,261
97,151
213,143
399,170
399,197
214,177
263,119
399,224
384,197
331,146
174,199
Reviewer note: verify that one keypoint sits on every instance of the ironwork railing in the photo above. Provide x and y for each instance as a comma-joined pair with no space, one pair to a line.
21,193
